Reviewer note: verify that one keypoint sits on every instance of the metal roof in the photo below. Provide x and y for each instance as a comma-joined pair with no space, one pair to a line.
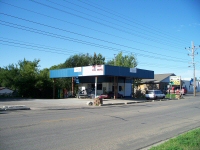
158,78
102,70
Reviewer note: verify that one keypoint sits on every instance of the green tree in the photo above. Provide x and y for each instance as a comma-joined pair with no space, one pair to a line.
98,59
124,61
27,78
44,84
9,76
77,61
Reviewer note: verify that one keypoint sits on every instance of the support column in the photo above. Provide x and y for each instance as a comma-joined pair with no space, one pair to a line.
115,87
72,86
54,81
95,94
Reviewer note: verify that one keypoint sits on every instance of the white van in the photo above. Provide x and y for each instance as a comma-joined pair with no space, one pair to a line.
154,94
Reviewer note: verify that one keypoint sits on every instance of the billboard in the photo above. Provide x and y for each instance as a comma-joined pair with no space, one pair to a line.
175,80
93,70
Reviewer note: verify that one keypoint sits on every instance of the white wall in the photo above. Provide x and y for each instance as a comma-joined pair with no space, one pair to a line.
189,87
128,89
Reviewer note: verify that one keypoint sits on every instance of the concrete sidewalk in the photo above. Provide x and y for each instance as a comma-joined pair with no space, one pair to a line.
35,104
42,104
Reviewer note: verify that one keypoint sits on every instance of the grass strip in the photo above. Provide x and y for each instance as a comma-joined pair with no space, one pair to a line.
187,141
172,96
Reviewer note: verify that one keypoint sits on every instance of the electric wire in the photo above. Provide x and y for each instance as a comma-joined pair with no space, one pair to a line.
122,17
97,22
57,18
67,53
75,40
83,35
84,26
107,21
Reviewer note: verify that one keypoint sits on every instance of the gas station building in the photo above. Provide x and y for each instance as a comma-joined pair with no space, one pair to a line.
103,78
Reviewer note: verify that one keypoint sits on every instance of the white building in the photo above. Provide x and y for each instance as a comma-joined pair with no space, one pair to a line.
189,85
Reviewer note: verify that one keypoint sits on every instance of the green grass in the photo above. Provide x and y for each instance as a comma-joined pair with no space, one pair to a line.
186,141
173,96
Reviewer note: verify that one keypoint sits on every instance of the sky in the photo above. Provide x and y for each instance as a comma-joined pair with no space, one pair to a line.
156,32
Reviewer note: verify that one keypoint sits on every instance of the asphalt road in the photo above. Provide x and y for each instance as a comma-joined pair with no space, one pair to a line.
134,126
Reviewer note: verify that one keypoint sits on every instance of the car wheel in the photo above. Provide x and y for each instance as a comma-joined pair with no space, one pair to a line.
155,97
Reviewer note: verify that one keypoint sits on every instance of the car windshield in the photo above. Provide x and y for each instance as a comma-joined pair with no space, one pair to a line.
149,92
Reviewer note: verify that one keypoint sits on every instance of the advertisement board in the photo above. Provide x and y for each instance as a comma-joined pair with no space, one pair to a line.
175,80
77,69
93,70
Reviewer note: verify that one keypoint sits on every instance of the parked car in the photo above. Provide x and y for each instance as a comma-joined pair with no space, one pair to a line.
106,95
82,94
118,95
111,95
154,94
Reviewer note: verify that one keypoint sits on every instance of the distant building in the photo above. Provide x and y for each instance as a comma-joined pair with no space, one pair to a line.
160,81
189,85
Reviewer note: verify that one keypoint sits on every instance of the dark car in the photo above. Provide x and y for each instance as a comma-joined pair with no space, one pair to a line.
105,96
111,95
118,95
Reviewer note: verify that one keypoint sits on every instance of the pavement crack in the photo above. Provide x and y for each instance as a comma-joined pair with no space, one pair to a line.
117,118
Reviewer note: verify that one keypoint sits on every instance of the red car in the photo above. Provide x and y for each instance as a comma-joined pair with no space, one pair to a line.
110,95
106,96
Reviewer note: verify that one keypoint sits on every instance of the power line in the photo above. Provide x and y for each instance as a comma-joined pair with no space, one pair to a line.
107,21
83,26
122,17
88,19
82,35
77,40
67,53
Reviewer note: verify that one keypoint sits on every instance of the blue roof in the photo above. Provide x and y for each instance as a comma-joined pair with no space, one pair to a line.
102,70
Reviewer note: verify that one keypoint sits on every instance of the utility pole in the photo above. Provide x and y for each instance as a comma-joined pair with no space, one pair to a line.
193,50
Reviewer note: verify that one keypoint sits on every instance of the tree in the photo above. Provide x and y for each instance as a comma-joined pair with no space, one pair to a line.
44,84
83,60
124,61
77,61
8,76
98,59
27,78
22,77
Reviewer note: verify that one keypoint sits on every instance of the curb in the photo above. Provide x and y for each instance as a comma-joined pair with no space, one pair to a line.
14,107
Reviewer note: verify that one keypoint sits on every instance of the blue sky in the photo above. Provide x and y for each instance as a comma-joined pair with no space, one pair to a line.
155,31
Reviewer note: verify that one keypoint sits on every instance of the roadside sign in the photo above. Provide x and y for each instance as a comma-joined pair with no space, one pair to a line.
175,80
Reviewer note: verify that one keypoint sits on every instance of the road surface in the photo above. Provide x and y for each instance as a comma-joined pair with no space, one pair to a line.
133,126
